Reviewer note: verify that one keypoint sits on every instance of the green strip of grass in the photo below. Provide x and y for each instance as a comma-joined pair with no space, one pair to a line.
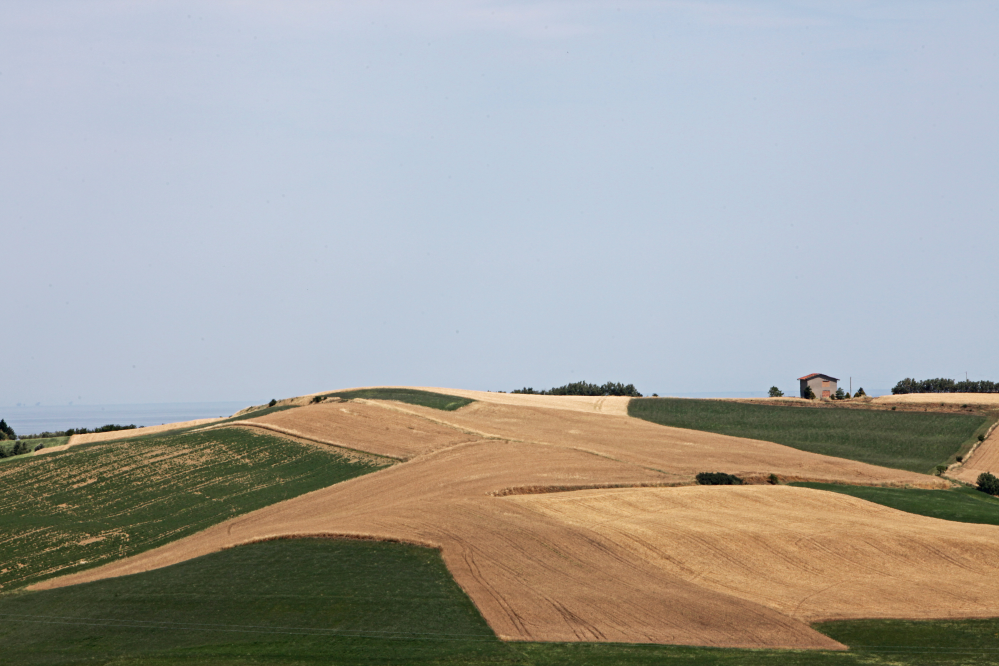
965,505
65,512
358,602
441,401
916,442
308,601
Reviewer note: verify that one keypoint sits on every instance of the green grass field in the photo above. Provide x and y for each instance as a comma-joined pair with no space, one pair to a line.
916,442
412,396
64,512
359,602
965,505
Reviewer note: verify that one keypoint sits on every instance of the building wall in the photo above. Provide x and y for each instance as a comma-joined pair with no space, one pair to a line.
822,388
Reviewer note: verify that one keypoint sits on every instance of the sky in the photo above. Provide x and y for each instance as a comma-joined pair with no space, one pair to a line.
234,201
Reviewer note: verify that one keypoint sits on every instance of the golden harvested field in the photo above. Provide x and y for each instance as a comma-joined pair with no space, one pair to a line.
362,426
645,561
929,399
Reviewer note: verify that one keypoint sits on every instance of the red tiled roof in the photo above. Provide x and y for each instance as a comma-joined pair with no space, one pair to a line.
818,374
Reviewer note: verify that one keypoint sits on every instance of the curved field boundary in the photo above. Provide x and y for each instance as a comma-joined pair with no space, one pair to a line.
347,453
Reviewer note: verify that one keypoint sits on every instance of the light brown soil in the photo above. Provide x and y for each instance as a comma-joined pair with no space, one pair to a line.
688,565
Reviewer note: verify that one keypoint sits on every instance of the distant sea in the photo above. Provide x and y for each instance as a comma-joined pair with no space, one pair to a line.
28,420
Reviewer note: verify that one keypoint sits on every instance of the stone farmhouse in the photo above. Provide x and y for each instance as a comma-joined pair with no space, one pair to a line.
823,386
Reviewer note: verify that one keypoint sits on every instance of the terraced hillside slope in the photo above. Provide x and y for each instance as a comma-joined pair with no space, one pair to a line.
647,562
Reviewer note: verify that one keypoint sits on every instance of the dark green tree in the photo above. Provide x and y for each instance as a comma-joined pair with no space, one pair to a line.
860,393
841,394
988,483
809,393
776,392
6,432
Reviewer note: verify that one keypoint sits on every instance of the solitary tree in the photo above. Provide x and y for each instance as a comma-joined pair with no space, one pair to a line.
809,393
840,393
988,483
860,393
776,392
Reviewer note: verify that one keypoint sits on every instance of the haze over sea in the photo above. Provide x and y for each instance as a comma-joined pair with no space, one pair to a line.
31,419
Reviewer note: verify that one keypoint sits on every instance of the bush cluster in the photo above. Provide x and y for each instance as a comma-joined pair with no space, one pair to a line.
6,432
988,483
718,479
585,388
942,385
20,448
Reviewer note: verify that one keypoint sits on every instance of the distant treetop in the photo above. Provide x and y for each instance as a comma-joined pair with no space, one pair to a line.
585,388
941,385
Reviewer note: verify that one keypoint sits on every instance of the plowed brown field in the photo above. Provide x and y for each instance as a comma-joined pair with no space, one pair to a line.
724,566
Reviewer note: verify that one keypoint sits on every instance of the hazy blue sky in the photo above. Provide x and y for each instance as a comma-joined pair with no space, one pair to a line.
245,200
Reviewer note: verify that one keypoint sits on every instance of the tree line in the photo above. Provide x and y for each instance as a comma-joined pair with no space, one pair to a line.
943,385
111,427
585,388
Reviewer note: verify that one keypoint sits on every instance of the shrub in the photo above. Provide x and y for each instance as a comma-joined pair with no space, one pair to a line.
6,432
718,479
809,393
315,399
960,458
39,447
272,402
860,393
988,483
776,392
981,438
773,480
941,469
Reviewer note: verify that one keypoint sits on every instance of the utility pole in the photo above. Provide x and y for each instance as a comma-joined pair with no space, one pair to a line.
851,385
